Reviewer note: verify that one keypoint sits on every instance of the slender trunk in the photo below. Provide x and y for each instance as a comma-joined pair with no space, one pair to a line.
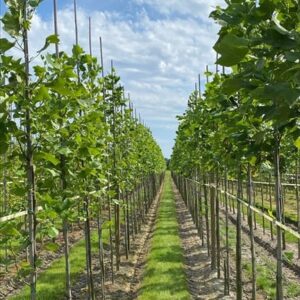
242,197
125,204
114,172
271,206
227,278
250,223
4,182
101,252
88,247
213,222
199,195
239,282
232,201
5,204
126,222
279,286
263,206
135,225
66,232
30,168
111,245
298,200
254,204
218,225
283,197
206,215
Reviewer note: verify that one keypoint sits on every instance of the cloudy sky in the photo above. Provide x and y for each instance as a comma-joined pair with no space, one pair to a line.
158,47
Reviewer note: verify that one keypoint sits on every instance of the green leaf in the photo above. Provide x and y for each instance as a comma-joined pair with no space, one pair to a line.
11,24
34,3
25,270
52,172
77,50
39,71
4,145
51,39
64,151
232,85
59,86
297,142
232,48
5,45
42,93
18,190
48,157
253,160
53,232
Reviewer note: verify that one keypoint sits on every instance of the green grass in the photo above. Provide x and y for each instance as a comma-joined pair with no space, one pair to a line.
164,276
51,283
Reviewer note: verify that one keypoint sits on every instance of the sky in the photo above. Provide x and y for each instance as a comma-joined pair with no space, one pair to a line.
158,47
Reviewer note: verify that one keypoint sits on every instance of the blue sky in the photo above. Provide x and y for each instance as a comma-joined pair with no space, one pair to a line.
158,46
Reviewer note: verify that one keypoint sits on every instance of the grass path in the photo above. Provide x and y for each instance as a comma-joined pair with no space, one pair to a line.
164,276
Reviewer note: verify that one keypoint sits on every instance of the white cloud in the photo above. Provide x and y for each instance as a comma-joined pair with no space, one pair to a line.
196,8
158,59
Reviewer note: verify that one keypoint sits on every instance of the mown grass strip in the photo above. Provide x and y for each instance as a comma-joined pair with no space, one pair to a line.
164,276
51,283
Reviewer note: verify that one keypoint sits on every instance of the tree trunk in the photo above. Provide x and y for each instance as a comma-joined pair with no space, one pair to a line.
101,253
206,215
279,287
250,223
227,278
239,280
213,222
31,200
88,247
298,200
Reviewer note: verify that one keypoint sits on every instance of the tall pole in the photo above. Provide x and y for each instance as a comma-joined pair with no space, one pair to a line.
199,84
90,36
